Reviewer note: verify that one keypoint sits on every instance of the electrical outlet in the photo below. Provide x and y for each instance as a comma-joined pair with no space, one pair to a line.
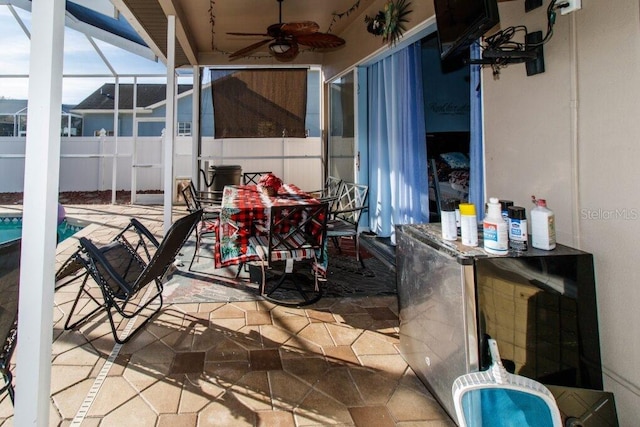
573,5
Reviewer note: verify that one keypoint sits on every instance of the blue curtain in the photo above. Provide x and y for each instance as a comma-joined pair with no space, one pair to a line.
476,156
398,182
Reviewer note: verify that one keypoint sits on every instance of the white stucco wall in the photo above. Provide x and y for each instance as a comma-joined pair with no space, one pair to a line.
570,135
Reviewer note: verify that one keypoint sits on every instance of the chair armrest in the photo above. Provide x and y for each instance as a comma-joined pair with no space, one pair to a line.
328,199
209,196
359,208
141,229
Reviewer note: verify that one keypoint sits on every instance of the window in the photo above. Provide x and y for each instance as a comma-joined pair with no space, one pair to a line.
184,128
264,103
107,133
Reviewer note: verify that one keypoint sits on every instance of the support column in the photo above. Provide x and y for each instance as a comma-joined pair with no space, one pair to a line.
116,135
196,136
41,182
169,136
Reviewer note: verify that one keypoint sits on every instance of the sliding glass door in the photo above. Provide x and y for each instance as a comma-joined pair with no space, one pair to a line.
343,156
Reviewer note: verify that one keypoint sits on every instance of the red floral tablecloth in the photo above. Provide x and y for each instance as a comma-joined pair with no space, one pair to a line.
244,207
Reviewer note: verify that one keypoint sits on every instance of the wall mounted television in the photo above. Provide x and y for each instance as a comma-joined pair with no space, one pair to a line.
462,22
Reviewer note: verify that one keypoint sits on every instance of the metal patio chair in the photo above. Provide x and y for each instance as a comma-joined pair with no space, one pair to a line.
345,216
295,233
252,177
210,217
9,285
124,277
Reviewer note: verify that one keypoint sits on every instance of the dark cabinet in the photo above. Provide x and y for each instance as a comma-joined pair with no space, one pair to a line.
540,306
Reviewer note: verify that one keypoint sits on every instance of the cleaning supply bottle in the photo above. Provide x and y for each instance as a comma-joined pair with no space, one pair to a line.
468,224
448,220
543,226
518,229
456,207
494,229
504,206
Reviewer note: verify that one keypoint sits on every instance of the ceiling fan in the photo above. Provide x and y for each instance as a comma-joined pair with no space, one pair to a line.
284,38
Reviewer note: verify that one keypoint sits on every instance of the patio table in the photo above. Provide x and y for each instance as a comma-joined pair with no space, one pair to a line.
243,208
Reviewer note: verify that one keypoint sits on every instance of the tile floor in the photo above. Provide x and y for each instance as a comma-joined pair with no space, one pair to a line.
232,364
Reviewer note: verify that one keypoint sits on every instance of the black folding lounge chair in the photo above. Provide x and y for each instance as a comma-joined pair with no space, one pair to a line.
9,284
123,275
135,234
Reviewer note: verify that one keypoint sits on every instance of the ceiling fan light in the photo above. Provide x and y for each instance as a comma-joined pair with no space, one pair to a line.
280,46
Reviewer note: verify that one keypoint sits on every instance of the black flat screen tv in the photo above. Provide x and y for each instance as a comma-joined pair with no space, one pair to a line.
462,22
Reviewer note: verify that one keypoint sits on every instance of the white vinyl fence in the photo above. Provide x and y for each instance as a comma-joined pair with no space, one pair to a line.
86,163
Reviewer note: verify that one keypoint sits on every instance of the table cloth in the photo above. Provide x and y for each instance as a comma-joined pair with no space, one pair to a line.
245,208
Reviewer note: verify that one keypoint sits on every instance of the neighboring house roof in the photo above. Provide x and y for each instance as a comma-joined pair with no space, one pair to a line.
14,106
147,95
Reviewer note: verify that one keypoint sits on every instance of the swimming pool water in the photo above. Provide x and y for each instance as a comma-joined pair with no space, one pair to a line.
11,228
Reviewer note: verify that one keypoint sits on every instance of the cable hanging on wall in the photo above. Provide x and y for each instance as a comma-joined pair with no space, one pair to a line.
501,49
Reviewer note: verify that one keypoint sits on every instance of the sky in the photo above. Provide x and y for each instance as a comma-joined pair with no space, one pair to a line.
79,58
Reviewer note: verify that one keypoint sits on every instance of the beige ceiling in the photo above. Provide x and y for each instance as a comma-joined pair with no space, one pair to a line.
201,43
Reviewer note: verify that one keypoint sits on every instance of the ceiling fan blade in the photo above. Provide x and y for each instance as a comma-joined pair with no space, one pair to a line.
299,28
248,49
320,40
248,34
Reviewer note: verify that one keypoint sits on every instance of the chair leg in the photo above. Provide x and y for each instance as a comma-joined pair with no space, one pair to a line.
8,379
358,255
309,296
81,291
263,282
239,269
336,243
196,249
122,339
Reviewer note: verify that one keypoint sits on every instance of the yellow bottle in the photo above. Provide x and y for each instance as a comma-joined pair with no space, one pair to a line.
468,224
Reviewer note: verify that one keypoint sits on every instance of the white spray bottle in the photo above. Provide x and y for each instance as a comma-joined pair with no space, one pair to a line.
495,232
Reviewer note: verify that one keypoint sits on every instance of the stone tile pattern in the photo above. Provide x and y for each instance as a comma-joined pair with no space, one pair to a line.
247,363
237,363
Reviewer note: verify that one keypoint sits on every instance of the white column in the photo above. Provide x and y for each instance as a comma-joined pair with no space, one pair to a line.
42,167
170,133
116,131
195,124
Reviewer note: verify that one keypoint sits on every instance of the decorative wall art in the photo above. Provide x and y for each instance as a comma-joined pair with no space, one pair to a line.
390,22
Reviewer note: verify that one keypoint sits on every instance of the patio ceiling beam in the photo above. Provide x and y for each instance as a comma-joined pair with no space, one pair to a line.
41,184
101,55
93,32
19,21
125,11
184,38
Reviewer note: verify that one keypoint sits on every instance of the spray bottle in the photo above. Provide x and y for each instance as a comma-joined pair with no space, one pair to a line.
494,228
468,224
517,228
448,220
